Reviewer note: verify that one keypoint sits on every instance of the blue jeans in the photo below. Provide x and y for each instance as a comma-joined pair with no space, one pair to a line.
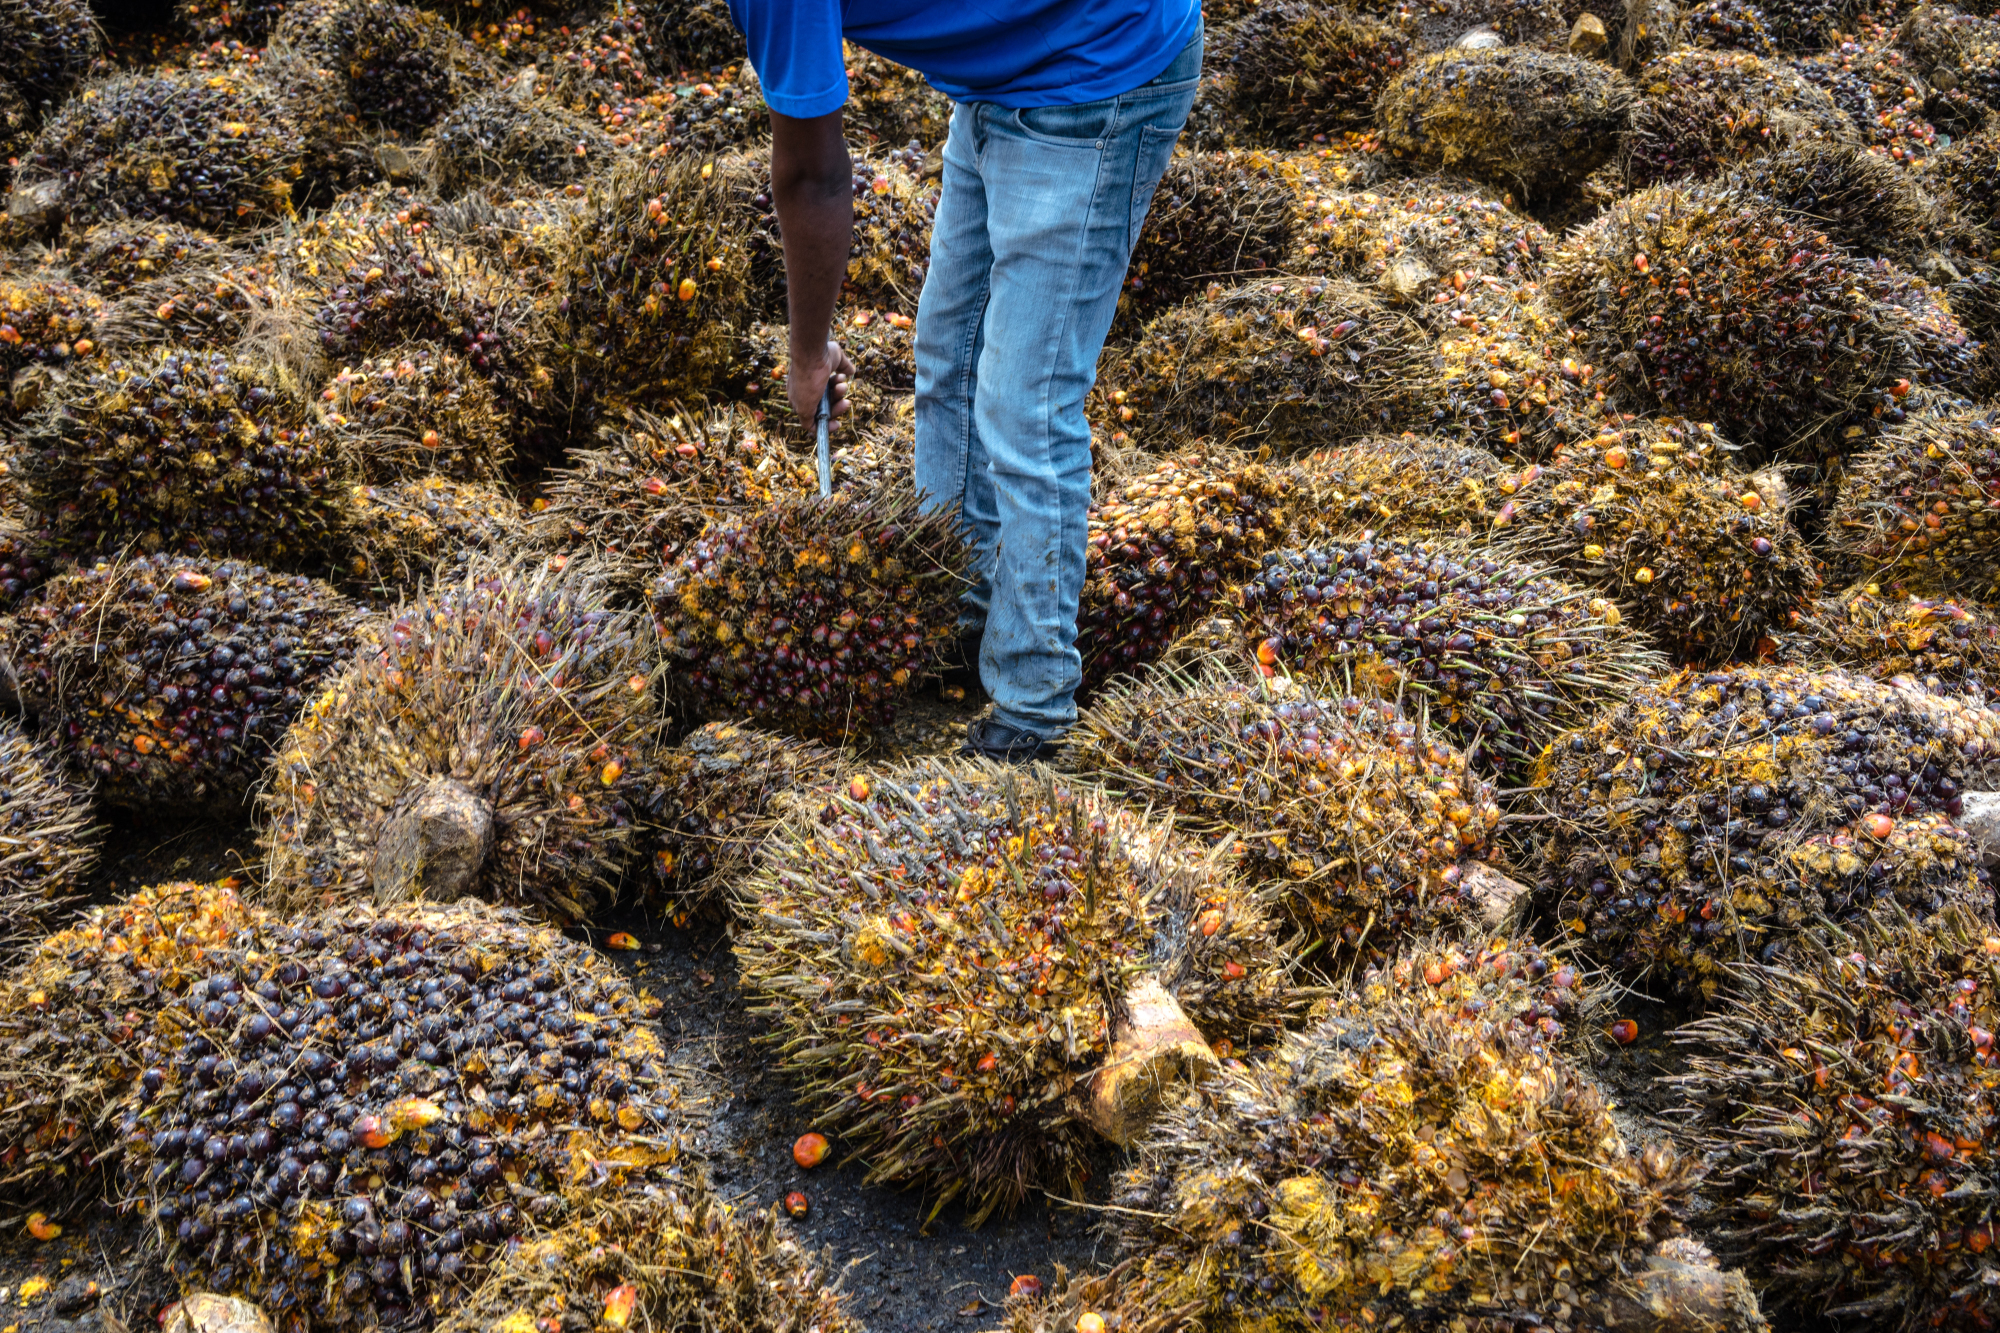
1038,216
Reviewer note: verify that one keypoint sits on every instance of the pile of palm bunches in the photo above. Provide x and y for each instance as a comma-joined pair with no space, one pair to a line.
1360,821
520,689
1859,198
350,1116
1706,820
1517,118
1844,1105
1966,176
113,258
893,106
1302,68
504,138
1163,550
814,615
201,307
1500,656
168,679
44,321
1958,56
1700,111
46,47
1410,238
1393,486
51,847
1648,513
1947,647
939,950
400,68
1917,508
1505,376
417,411
1534,23
246,21
1728,25
401,533
1210,218
1876,83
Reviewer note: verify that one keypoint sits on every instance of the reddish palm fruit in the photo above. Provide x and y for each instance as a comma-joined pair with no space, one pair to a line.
406,532
503,138
113,258
1876,83
46,48
417,411
1861,199
1958,56
1917,507
1393,486
401,68
42,321
1301,68
1411,238
1507,373
1948,647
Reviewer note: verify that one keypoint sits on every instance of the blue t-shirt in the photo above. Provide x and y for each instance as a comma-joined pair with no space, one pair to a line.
1018,53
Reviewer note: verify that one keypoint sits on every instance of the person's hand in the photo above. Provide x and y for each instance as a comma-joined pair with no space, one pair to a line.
809,376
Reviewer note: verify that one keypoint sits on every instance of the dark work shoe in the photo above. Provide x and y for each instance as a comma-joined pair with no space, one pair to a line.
990,738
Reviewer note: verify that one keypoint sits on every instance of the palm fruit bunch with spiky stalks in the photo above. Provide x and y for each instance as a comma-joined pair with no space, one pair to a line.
697,36
518,693
890,253
1807,25
26,562
169,678
1162,550
417,411
117,257
50,843
1701,111
401,68
1958,55
247,21
213,150
1392,486
1503,656
1647,513
184,451
1966,178
1947,647
816,615
209,307
401,533
1359,822
505,139
1303,67
76,1013
1410,237
46,47
1503,374
392,1096
891,106
1727,25
44,321
1708,819
977,926
1293,362
1724,308
1861,199
1535,23
1917,506
1210,218
1533,121
673,1259
712,800
1425,1152
1844,1104
882,345
1877,85
651,274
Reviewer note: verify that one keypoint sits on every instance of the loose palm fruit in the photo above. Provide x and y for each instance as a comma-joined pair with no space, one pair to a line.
815,615
1412,237
1425,1148
1947,647
1700,111
973,923
212,150
113,258
1522,119
1861,199
1844,1105
1966,178
417,411
1361,824
404,532
699,36
1209,219
169,678
1503,656
673,1258
503,138
42,321
1647,513
515,696
1708,819
1303,67
1293,362
181,451
77,1013
1392,486
353,1113
1917,506
1162,550
50,844
1725,309
403,68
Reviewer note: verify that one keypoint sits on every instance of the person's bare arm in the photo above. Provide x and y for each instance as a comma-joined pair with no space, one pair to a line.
812,183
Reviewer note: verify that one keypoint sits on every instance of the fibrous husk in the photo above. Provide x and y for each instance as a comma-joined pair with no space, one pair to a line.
1700,111
1300,68
407,1090
1411,238
1533,121
1392,486
1947,647
399,67
1861,199
1358,824
50,845
46,48
402,532
1499,656
520,686
1844,1104
979,926
167,679
1706,820
503,138
417,411
1213,217
1914,509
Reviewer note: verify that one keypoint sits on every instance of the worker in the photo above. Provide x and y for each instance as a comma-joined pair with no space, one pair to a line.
1066,113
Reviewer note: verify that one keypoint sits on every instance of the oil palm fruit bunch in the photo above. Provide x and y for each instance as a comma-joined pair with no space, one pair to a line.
1915,507
1302,67
43,321
51,845
26,562
889,255
116,257
1501,656
46,48
493,747
1424,1152
674,1259
1709,818
1648,513
167,678
1966,178
218,150
206,306
337,1062
1701,111
1535,23
882,345
1292,362
651,276
1807,25
401,533
416,411
938,951
247,21
1945,646
77,1011
1726,309
1163,549
1958,55
697,36
1393,486
1410,238
503,138
1210,218
1876,83
1504,370
814,615
1522,119
403,68
893,106
1861,199
1844,1105
712,800
1727,25
1360,823
184,451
